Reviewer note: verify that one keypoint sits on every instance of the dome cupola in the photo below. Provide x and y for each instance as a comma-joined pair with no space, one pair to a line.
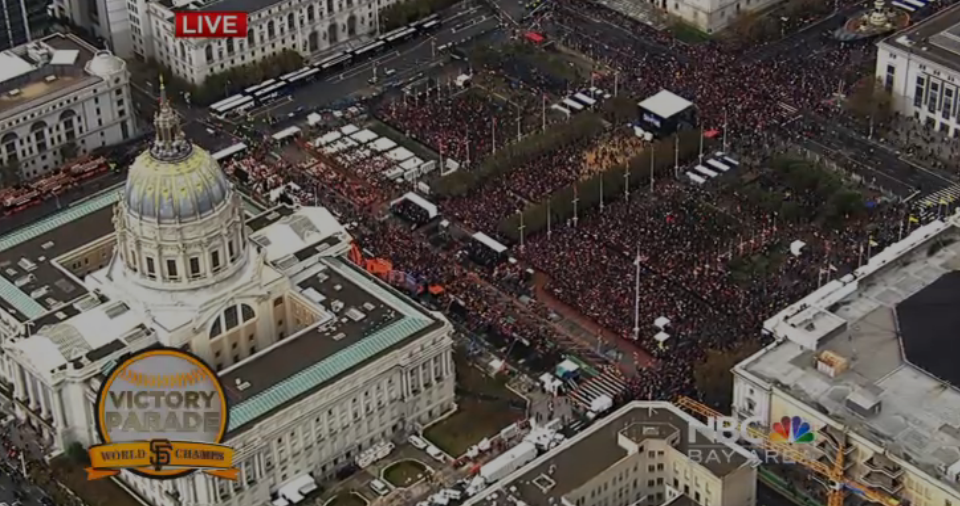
179,224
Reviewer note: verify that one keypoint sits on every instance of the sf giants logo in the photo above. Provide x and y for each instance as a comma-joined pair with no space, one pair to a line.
160,450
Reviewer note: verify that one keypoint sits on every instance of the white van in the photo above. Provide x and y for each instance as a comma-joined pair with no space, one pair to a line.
379,487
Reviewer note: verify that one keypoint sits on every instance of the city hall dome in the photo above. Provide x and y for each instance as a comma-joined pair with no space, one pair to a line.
174,181
180,224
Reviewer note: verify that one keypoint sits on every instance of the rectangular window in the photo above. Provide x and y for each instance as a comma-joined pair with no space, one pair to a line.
230,317
194,267
933,101
947,107
151,268
215,261
918,95
232,248
891,75
172,268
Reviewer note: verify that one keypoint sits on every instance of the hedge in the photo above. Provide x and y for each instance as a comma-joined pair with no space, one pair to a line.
520,153
588,191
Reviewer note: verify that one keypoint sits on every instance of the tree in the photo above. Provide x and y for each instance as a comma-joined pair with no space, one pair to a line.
77,454
752,28
68,151
869,100
714,376
10,175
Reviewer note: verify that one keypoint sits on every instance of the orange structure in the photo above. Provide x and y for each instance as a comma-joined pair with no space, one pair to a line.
834,473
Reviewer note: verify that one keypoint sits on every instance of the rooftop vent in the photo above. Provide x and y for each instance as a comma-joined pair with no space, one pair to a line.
116,310
50,78
25,280
355,314
47,245
14,92
832,364
61,315
242,385
27,265
339,335
40,292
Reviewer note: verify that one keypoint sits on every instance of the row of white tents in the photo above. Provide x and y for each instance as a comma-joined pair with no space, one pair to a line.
580,101
352,144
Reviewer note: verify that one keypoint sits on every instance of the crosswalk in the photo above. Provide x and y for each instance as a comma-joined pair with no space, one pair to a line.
911,5
938,204
608,382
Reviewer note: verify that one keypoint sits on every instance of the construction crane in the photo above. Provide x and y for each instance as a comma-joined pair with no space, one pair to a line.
838,482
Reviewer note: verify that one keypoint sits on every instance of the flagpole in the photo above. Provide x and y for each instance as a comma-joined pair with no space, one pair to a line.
652,157
701,144
626,181
549,220
543,114
724,130
493,135
676,157
601,192
616,83
636,300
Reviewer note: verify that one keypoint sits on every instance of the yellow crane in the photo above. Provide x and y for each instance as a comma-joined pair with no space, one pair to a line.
835,473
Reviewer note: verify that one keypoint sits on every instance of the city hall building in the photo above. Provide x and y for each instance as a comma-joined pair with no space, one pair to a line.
320,360
920,67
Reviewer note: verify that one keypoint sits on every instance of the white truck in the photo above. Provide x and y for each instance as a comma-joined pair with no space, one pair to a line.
508,462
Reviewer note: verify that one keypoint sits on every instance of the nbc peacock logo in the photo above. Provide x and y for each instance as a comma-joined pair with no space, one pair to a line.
792,430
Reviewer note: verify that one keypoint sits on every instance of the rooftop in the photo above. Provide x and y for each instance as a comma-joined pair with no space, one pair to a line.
30,283
42,68
878,393
361,320
576,462
665,104
248,6
936,38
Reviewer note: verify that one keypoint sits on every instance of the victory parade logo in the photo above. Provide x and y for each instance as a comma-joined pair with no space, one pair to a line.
162,414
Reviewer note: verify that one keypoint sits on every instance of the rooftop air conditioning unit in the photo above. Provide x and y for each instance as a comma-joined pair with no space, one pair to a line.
14,92
50,79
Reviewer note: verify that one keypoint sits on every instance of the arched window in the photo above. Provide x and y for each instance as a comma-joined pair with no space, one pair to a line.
291,22
216,329
208,53
38,126
231,318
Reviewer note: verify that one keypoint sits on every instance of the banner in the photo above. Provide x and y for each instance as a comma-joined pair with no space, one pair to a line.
107,460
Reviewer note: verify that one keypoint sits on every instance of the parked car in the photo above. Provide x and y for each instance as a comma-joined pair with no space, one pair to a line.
417,442
437,455
379,487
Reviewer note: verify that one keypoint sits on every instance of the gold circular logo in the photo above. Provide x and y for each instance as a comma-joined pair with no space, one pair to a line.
157,404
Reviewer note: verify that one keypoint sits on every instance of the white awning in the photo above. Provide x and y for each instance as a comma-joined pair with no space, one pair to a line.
661,337
349,129
665,104
425,204
661,322
314,118
286,132
295,490
489,242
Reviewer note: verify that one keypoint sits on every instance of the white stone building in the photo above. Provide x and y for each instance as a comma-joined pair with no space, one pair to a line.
868,361
920,66
320,359
56,92
647,453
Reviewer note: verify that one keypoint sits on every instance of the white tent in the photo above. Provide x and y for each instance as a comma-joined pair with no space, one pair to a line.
661,323
661,338
796,247
400,154
364,136
349,129
383,144
327,139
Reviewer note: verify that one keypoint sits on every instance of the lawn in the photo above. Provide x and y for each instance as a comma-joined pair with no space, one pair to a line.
94,493
347,499
404,473
484,406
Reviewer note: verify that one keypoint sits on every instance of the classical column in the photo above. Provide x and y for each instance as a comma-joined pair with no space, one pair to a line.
20,384
33,392
42,398
59,419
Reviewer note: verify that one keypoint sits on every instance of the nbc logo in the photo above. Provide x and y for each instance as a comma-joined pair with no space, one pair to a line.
792,430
